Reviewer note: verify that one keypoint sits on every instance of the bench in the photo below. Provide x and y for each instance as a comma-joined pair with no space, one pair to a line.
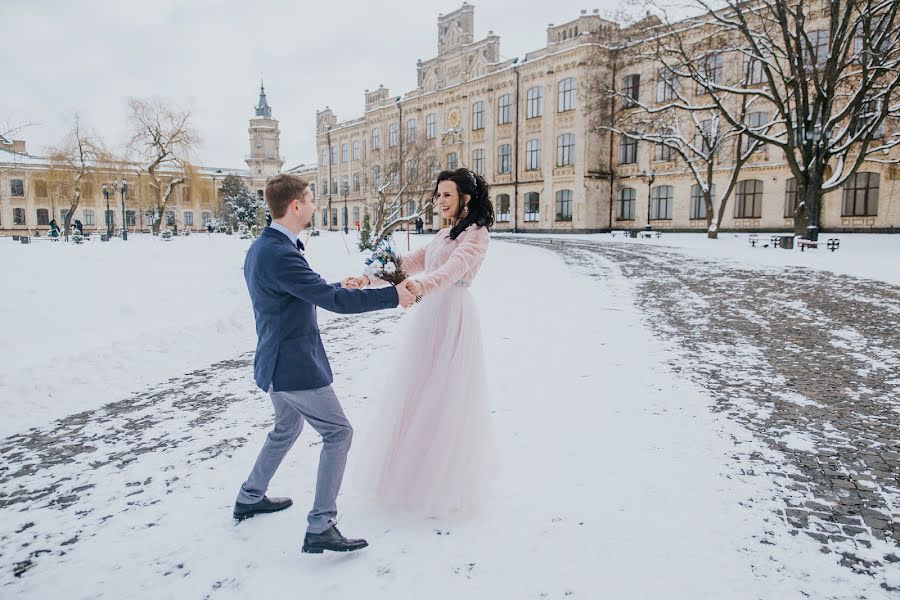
832,244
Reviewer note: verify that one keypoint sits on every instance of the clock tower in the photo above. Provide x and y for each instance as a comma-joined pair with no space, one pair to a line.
264,159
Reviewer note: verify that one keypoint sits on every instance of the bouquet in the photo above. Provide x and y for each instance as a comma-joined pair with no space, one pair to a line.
385,264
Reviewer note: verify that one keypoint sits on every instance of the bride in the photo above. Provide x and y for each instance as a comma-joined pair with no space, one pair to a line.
431,446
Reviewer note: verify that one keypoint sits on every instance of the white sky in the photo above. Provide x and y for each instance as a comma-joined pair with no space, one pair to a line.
60,57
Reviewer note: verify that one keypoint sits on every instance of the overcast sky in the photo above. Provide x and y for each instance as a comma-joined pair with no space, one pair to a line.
60,57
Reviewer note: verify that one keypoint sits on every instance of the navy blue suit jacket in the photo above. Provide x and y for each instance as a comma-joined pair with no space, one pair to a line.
285,292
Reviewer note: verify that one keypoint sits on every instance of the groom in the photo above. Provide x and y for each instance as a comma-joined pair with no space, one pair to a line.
291,364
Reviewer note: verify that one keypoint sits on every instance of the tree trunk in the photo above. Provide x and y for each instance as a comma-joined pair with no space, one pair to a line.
712,233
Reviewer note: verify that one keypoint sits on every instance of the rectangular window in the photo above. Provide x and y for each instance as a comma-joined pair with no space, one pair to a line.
698,202
411,170
533,155
324,186
755,74
532,207
535,106
40,188
663,153
88,216
478,116
504,158
394,135
411,131
17,188
627,150
625,202
566,97
478,161
666,86
631,90
376,176
188,218
820,42
452,161
564,205
790,198
345,153
710,72
503,208
357,150
661,203
357,183
18,216
334,187
376,138
756,122
504,110
355,215
334,155
324,156
110,218
565,150
345,184
431,126
748,199
43,216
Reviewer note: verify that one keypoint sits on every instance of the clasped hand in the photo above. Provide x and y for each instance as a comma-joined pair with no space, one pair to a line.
409,291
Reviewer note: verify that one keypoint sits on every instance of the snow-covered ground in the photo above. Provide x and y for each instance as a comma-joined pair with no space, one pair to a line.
617,477
866,255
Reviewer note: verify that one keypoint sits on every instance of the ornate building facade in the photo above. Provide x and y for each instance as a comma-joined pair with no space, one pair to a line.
528,127
30,198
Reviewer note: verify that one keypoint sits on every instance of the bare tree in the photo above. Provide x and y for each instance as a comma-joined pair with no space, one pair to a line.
828,70
694,134
163,140
9,129
72,172
403,178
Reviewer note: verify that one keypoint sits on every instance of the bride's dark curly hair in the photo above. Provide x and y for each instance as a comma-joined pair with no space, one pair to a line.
480,210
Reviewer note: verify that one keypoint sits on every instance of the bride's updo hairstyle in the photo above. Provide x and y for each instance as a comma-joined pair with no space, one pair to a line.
479,210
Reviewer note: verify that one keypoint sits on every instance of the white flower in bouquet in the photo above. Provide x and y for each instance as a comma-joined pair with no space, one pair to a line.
390,268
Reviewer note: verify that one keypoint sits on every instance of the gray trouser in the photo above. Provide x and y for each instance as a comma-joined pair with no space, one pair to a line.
323,411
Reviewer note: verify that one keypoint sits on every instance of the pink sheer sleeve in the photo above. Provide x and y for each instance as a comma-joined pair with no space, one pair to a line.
473,245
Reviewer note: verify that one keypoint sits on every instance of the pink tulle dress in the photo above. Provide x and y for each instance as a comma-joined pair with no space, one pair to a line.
428,447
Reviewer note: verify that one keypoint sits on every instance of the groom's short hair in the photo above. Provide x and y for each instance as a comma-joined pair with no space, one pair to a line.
283,189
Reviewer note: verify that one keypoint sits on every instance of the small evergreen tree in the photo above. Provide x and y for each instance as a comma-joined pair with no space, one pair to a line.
365,234
241,205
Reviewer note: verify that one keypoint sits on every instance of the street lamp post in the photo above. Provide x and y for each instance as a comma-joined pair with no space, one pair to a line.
651,177
124,219
345,191
812,230
108,220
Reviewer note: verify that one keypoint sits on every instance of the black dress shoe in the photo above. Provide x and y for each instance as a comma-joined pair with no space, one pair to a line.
331,539
266,505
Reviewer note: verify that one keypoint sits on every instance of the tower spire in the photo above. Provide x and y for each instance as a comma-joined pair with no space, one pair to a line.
262,108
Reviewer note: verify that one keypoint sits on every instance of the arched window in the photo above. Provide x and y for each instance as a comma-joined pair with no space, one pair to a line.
625,201
502,208
861,195
566,99
535,106
504,109
533,155
661,202
565,150
698,202
532,207
478,116
748,199
564,205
